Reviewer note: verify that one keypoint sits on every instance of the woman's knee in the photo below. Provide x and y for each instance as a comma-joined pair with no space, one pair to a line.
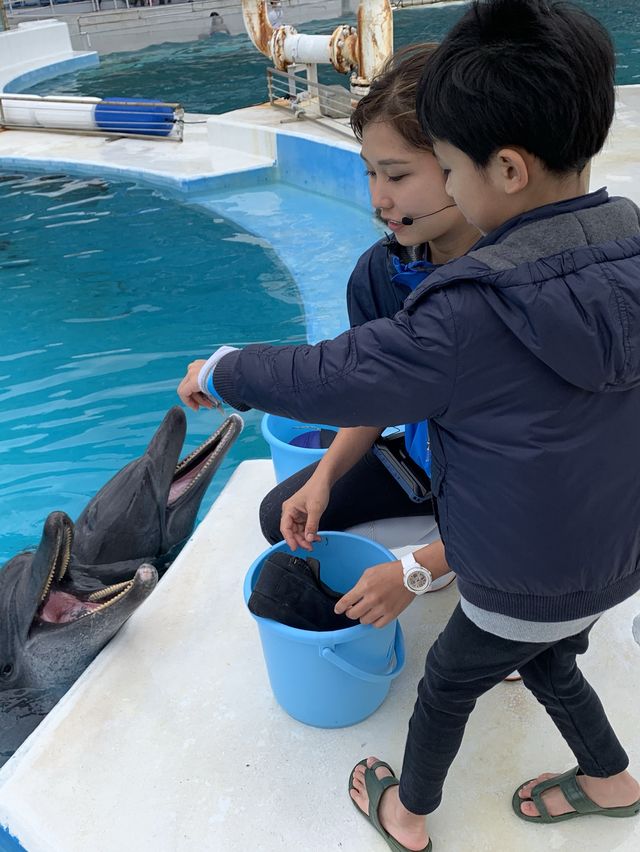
270,514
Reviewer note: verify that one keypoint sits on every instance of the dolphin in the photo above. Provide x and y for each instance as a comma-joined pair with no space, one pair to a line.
148,510
48,632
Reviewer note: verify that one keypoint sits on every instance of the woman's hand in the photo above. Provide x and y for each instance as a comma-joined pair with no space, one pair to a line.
301,514
378,597
189,390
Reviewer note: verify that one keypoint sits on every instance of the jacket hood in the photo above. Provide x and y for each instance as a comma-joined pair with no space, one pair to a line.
551,278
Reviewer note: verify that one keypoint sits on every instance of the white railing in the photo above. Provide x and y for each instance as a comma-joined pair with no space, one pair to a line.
307,98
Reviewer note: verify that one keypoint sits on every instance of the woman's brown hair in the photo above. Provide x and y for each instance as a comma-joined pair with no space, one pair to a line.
392,96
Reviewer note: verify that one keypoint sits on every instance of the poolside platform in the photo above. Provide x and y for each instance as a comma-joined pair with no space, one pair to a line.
172,740
214,147
246,141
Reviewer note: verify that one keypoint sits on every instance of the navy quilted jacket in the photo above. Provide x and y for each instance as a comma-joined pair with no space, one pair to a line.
525,356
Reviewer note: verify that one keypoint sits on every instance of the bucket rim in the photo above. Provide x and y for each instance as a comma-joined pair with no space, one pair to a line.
312,637
274,441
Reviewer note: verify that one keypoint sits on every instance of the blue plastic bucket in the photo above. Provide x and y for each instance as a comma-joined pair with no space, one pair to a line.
336,678
288,459
134,115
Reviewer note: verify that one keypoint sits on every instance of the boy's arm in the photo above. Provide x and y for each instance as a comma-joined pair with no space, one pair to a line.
380,595
389,371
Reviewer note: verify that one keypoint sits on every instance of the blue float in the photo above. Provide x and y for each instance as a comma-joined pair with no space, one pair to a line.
134,115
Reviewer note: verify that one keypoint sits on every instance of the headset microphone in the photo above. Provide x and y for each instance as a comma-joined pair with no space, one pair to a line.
409,220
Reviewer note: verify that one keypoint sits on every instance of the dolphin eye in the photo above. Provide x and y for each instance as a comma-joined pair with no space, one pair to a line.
6,670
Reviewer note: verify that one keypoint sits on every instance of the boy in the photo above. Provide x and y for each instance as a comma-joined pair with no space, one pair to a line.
525,357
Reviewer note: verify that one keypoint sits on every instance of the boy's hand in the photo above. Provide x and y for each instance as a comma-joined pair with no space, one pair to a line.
301,514
378,597
189,390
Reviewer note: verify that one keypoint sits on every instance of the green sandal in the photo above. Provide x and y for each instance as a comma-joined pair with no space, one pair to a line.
575,796
375,788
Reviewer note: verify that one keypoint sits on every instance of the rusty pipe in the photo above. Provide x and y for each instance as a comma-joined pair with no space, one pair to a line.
367,48
375,19
257,24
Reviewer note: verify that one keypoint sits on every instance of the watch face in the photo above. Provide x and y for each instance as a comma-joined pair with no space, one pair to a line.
417,580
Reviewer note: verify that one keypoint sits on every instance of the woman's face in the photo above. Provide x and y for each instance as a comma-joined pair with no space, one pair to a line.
407,182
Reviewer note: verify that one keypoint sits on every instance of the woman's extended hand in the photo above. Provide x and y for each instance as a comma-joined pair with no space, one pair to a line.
378,597
301,514
189,390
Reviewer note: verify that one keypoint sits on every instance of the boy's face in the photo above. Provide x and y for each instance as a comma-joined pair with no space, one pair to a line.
478,194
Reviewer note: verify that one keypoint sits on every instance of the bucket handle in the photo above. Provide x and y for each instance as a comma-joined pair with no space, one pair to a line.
398,646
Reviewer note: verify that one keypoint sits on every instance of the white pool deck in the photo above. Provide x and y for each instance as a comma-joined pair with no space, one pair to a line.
172,741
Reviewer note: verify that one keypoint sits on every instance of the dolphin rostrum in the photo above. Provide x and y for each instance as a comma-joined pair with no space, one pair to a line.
148,510
48,632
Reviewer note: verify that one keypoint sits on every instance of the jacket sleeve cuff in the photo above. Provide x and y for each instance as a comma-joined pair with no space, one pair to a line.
225,381
205,376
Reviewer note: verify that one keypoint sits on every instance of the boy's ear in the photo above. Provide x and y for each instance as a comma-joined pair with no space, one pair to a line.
512,169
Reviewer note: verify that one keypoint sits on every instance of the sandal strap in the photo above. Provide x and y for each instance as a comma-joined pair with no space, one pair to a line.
571,790
375,788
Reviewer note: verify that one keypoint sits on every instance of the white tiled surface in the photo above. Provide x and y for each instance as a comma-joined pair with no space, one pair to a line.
172,741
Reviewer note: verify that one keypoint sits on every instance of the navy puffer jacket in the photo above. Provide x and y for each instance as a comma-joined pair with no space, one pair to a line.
525,357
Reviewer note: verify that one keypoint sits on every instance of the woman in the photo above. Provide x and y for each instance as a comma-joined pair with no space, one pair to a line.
350,485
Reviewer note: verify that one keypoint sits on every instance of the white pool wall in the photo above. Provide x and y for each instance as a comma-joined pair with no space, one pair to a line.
37,50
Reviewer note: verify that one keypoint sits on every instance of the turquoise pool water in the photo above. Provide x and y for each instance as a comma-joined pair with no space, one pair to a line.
109,289
102,312
198,74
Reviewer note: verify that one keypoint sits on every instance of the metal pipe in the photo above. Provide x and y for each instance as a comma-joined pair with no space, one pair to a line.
344,48
257,24
306,48
375,39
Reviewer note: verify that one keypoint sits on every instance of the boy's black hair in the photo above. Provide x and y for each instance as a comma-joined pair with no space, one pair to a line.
529,73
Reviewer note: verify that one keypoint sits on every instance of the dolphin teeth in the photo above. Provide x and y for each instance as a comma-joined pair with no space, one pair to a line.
96,596
68,541
109,591
215,446
61,558
211,444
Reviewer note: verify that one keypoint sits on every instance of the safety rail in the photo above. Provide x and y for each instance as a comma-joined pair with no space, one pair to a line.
307,98
115,117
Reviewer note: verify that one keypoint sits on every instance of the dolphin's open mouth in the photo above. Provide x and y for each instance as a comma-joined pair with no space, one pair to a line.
196,464
61,606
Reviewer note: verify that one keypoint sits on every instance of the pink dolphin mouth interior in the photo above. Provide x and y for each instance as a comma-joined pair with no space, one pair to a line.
62,608
180,485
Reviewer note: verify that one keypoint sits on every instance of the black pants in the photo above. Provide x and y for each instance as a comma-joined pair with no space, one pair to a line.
463,664
367,492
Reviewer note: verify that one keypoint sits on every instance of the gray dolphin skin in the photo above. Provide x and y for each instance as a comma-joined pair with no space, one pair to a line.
48,633
148,510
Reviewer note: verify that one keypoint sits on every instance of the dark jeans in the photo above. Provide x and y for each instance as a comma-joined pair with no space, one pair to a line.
464,663
367,492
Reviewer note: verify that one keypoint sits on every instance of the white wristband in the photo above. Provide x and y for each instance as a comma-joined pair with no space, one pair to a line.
209,366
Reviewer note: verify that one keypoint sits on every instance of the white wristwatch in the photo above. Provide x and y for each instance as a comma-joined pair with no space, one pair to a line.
415,578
